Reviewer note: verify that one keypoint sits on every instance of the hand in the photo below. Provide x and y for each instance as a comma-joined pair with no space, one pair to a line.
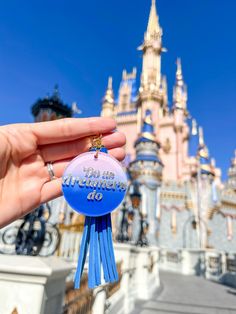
26,148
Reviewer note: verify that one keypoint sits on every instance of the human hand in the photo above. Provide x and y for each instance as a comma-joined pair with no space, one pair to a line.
25,150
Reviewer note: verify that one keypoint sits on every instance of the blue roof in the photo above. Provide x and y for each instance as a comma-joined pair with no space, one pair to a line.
142,139
126,113
144,157
134,91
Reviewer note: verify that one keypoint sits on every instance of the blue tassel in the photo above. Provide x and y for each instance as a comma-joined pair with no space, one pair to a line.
97,238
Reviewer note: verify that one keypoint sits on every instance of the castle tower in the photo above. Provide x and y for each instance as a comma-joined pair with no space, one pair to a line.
51,108
205,191
108,102
180,113
147,170
150,92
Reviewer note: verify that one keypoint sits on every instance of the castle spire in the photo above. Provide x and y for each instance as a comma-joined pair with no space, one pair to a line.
153,21
201,138
179,75
205,163
180,95
152,49
193,141
108,101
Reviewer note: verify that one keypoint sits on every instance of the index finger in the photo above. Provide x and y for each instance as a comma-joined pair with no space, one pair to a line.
71,129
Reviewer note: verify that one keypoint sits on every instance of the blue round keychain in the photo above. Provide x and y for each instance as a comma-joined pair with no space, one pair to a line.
94,184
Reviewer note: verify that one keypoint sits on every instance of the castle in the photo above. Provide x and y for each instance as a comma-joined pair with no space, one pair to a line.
183,199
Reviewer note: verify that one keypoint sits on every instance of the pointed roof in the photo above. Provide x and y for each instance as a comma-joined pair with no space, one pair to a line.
109,95
153,21
193,142
147,132
147,136
180,94
203,153
179,74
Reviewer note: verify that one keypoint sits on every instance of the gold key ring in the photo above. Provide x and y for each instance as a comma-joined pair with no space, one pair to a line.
97,144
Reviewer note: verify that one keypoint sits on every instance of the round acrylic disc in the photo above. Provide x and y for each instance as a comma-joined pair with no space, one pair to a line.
94,186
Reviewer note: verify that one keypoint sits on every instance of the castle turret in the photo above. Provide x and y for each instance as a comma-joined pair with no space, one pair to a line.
51,108
108,102
179,115
193,139
180,95
204,158
147,170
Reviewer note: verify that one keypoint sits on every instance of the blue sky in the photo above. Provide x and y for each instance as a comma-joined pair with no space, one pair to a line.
77,44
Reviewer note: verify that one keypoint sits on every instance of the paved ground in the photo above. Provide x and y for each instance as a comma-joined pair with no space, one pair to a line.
189,294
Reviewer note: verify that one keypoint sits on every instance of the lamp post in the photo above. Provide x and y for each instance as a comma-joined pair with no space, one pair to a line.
123,231
135,197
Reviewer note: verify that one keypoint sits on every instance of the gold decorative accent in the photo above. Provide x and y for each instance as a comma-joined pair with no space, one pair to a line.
211,211
206,168
149,136
204,153
148,119
97,142
167,146
136,173
73,227
173,195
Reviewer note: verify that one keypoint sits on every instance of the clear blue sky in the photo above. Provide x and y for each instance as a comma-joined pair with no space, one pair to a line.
77,44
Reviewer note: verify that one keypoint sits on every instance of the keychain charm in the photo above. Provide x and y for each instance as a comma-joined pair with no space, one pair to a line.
94,184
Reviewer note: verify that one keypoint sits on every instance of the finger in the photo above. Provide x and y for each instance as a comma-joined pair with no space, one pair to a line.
52,189
70,149
69,129
59,166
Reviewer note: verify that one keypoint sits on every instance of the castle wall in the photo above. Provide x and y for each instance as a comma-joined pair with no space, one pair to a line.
218,237
181,236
